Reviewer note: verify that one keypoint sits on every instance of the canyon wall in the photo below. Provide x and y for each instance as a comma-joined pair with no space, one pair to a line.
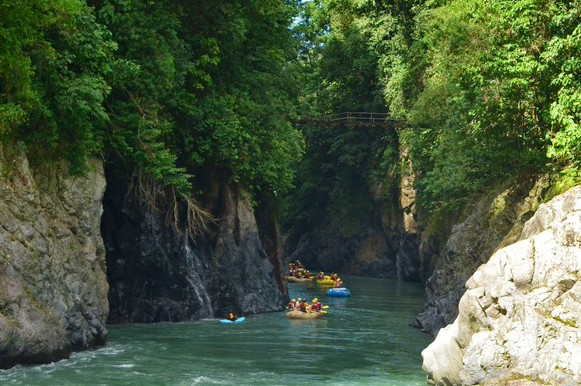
519,317
159,271
453,246
53,284
67,267
377,236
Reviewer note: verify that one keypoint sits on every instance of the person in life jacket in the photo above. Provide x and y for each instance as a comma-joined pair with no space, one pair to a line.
337,283
303,306
232,316
297,303
316,306
321,275
334,276
292,305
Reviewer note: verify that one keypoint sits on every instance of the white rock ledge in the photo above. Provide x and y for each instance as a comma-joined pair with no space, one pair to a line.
521,314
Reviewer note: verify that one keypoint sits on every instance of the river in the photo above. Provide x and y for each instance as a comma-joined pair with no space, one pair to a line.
363,340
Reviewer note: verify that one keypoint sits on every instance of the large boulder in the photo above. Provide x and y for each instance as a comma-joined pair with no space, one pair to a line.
53,284
521,313
454,252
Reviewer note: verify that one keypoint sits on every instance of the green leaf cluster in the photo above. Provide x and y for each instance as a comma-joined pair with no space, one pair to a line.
176,89
490,90
337,180
54,61
337,66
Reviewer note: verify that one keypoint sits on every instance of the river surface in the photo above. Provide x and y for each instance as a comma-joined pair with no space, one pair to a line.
363,340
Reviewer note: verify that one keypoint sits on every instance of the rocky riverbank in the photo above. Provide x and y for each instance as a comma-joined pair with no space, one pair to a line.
519,317
454,252
53,284
60,253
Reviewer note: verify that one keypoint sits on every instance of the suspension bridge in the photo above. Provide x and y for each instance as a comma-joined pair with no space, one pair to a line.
354,118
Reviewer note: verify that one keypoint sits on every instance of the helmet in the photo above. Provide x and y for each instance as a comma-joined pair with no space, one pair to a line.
300,299
293,300
315,299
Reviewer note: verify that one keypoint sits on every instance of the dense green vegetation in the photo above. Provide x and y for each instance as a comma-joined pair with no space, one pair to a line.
491,89
175,88
172,87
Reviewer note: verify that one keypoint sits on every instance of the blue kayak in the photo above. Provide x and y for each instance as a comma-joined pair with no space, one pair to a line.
339,292
239,320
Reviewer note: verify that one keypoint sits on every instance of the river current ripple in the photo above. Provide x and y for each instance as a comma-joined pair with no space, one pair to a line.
364,340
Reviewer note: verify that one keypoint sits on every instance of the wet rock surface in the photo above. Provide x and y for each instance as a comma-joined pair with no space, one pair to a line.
157,272
53,286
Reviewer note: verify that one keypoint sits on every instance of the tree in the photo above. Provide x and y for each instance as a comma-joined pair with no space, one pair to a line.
53,66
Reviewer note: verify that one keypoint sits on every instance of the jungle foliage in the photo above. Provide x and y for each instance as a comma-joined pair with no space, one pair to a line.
176,87
491,89
339,72
173,87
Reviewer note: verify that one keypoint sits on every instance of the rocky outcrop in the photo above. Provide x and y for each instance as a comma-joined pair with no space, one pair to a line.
494,221
159,272
53,285
521,313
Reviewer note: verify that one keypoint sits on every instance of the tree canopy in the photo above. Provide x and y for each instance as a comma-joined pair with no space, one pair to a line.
173,87
176,88
491,90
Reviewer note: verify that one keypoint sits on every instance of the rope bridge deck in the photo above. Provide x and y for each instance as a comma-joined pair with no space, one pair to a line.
355,118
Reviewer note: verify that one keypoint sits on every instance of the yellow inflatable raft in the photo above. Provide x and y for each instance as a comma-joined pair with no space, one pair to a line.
303,315
294,279
327,281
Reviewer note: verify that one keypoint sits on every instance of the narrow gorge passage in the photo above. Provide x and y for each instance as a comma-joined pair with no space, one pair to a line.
365,340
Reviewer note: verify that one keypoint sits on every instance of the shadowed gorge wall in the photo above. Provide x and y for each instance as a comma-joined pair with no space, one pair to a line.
158,273
356,205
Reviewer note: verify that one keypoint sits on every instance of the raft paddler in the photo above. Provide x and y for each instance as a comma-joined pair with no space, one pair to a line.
232,316
303,306
316,306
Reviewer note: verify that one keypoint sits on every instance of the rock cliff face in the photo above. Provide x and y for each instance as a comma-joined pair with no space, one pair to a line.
494,221
53,284
157,272
385,241
521,313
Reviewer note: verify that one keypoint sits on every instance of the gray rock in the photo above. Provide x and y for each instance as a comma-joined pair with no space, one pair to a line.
159,272
44,263
521,313
494,221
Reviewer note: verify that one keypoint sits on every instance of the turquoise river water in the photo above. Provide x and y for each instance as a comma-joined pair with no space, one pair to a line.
363,340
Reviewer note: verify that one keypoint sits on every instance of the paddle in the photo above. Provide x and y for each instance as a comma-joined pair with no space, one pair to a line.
325,307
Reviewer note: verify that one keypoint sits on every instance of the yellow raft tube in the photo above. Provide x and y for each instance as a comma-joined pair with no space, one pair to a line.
303,315
327,281
294,279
